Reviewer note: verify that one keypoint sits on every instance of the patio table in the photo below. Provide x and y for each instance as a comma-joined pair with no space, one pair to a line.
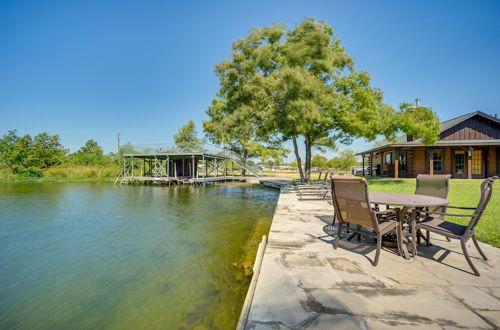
408,202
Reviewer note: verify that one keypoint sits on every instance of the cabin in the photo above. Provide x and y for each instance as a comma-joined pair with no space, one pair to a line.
468,147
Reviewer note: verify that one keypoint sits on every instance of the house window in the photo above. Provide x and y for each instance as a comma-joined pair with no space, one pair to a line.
477,162
459,162
388,158
402,160
437,157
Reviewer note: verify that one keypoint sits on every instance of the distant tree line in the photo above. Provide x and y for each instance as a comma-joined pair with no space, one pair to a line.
343,161
29,156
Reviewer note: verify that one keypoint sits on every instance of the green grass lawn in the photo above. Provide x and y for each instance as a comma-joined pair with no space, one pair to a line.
462,193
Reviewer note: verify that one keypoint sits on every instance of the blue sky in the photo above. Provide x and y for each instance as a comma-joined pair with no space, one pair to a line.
90,69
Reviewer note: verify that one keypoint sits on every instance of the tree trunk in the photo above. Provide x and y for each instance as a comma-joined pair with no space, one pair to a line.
307,142
297,156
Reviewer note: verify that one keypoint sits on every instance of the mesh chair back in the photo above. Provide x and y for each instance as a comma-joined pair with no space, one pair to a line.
486,192
351,201
433,185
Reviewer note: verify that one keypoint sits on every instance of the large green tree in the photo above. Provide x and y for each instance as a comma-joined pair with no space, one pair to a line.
90,154
27,155
187,139
347,158
319,161
302,84
232,124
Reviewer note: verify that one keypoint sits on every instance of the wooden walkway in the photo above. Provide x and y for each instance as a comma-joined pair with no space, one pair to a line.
164,180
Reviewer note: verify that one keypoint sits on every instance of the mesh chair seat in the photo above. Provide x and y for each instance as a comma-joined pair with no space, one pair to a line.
385,226
437,223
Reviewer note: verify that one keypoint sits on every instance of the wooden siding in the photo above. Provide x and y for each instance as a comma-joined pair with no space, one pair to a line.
419,161
475,128
447,161
410,163
492,161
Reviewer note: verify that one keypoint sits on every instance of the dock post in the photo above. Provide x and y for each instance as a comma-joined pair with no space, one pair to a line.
132,166
192,167
204,165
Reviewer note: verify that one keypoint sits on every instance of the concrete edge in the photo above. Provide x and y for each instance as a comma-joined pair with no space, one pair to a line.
253,283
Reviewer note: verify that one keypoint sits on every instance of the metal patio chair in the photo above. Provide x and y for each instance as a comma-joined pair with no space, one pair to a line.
352,206
315,184
434,222
436,185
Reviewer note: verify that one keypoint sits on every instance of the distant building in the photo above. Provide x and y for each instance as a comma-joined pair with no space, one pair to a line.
468,147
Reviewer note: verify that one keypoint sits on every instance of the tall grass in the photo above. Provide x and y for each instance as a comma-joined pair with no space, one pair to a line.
82,172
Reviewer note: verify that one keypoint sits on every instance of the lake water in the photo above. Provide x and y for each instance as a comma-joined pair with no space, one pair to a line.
94,255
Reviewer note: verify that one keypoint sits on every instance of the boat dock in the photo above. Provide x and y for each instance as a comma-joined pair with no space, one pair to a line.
168,164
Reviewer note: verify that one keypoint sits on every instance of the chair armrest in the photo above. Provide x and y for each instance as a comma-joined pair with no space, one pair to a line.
460,207
452,214
384,211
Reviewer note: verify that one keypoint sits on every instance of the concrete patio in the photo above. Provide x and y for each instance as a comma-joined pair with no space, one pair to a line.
305,284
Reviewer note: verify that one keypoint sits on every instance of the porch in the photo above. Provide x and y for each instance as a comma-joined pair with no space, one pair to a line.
472,161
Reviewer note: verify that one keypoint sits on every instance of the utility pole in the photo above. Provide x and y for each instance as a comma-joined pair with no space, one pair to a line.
117,142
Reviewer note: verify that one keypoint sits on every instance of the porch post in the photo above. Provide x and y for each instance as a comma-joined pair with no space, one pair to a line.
396,164
363,163
382,163
371,165
431,163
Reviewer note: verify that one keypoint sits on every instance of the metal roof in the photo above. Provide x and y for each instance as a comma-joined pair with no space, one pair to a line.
401,141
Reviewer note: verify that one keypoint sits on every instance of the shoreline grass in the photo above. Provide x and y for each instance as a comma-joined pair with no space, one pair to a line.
65,172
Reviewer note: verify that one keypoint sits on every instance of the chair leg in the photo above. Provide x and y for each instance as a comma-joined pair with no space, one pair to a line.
448,239
337,239
478,248
466,254
379,247
428,238
334,218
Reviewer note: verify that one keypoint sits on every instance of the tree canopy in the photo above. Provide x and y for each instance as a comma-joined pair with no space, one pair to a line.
319,161
280,85
89,154
187,139
27,155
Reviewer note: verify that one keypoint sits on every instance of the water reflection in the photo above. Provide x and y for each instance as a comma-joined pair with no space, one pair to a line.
93,255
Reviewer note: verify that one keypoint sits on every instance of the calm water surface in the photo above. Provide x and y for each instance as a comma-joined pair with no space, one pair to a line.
94,255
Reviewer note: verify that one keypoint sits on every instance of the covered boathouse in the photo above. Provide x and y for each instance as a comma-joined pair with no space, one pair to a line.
468,147
169,164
